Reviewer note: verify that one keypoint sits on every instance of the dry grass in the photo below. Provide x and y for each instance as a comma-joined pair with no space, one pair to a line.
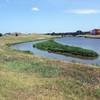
29,77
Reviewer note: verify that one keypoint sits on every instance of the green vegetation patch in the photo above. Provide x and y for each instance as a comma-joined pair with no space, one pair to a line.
97,93
35,67
55,47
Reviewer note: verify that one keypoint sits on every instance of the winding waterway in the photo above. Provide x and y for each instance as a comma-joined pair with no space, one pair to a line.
87,43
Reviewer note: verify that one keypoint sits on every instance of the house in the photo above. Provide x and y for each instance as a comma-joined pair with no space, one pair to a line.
95,32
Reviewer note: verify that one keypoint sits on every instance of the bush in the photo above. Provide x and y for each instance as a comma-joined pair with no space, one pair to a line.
1,34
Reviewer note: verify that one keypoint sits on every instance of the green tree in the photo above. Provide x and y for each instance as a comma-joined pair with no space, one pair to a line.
1,34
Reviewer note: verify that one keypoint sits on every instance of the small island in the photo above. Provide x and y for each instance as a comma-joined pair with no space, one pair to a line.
55,47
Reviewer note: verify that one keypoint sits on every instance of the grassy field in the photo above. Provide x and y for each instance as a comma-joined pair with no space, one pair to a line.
29,77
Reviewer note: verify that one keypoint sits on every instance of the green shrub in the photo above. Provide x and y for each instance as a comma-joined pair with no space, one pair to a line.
1,34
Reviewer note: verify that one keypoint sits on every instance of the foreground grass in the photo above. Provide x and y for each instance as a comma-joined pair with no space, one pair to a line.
28,77
55,47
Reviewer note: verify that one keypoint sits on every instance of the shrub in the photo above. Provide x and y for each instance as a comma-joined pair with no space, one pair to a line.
1,34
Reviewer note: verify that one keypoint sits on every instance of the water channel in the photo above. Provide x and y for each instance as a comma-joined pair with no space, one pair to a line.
87,43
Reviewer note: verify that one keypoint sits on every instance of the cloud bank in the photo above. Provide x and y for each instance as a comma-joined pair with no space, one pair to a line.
83,11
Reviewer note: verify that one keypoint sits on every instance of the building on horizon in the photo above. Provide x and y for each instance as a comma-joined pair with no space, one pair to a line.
95,32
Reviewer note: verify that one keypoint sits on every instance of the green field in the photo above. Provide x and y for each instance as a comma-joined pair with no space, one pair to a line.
24,76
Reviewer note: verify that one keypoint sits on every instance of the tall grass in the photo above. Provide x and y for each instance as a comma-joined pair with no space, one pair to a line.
24,76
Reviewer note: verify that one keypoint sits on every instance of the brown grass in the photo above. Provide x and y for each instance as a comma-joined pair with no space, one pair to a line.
29,77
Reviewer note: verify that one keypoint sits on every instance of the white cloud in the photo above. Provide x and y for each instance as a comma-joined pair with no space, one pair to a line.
83,11
35,9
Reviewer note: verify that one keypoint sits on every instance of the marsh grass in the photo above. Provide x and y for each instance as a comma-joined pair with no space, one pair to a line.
35,67
29,77
55,47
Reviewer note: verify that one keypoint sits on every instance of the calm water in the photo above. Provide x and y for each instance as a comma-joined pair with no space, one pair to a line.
93,44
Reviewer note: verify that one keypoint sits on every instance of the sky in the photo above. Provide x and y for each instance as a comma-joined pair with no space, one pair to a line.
41,16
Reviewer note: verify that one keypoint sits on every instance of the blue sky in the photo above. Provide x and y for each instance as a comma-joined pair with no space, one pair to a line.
49,15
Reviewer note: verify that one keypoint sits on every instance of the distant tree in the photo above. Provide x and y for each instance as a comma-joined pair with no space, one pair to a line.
53,33
48,33
16,34
79,32
8,33
1,34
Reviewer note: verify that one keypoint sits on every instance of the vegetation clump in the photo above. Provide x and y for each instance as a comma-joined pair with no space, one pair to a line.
1,34
55,47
